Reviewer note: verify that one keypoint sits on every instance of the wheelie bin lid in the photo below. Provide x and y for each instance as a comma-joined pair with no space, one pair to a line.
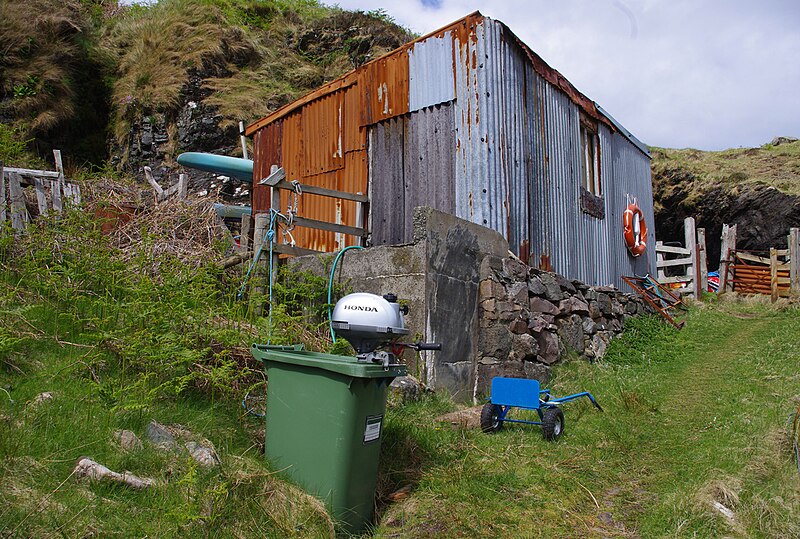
350,366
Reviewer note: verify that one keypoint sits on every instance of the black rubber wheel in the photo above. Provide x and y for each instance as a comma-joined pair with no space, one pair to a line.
552,423
490,418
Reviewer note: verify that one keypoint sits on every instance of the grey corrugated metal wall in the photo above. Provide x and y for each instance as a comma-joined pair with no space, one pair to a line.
515,153
411,164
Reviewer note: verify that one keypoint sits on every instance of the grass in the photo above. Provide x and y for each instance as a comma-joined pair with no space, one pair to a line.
695,417
777,166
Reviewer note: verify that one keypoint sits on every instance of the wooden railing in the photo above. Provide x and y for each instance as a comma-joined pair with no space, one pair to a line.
692,275
13,180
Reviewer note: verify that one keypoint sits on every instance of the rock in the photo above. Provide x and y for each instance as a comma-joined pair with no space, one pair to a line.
518,326
127,440
535,286
494,341
515,269
204,456
590,294
518,293
160,436
41,398
491,289
507,311
469,418
599,344
524,347
589,326
594,310
604,304
777,141
552,290
408,388
89,469
538,324
573,305
549,351
539,305
565,284
570,330
537,371
631,308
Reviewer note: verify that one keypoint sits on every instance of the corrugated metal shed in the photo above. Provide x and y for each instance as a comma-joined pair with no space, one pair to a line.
470,121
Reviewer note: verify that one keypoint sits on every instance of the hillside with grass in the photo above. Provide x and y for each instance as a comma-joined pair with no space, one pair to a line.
139,83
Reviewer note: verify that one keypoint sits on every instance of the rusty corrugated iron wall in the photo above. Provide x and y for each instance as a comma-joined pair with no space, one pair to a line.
470,121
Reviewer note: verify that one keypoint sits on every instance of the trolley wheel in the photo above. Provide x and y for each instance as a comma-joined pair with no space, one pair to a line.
552,423
490,418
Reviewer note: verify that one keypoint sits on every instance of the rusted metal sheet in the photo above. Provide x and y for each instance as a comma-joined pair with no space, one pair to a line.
266,152
429,63
385,82
322,128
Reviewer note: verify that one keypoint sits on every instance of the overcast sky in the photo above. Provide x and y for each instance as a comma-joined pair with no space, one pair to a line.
677,73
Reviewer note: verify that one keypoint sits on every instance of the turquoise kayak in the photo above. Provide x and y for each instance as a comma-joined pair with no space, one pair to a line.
235,167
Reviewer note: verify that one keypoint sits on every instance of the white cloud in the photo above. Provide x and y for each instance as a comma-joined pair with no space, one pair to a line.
705,74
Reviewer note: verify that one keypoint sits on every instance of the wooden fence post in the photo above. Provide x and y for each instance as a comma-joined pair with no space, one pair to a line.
244,233
41,197
19,213
2,194
773,273
693,271
728,245
261,226
56,186
183,186
794,260
702,259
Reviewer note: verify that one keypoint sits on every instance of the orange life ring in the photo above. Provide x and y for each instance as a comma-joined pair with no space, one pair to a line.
634,230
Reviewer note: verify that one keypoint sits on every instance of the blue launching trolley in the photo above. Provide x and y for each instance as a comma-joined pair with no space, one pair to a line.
508,393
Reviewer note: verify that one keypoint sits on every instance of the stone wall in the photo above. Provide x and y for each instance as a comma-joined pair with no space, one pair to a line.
529,318
493,315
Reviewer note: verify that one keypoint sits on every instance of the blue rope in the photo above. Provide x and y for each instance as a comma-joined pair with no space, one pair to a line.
269,235
330,287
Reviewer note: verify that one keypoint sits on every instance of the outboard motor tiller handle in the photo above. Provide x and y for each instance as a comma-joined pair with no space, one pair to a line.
427,346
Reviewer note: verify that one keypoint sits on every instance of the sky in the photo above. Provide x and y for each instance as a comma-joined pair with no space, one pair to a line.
698,74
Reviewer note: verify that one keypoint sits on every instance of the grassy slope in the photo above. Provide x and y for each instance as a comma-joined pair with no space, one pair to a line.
690,418
778,166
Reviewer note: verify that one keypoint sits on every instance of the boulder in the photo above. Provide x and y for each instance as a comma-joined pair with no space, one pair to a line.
494,341
518,293
524,347
127,440
549,351
518,326
539,305
537,371
573,305
407,388
552,289
570,330
535,286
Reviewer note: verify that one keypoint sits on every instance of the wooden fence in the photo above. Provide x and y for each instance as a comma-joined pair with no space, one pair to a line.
52,191
690,273
775,272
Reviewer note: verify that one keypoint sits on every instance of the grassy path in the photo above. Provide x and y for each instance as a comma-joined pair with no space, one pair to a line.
692,418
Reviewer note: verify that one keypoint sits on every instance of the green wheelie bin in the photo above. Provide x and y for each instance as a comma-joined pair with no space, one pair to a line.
324,424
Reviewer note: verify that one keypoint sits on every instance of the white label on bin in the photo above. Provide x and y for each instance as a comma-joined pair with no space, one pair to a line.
372,431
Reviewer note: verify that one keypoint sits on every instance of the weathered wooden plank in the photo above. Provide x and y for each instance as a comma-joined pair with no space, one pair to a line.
183,186
57,185
753,258
32,172
41,196
322,191
728,246
330,227
701,254
773,266
292,250
19,213
794,259
688,261
3,203
244,233
690,234
676,279
661,248
276,176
